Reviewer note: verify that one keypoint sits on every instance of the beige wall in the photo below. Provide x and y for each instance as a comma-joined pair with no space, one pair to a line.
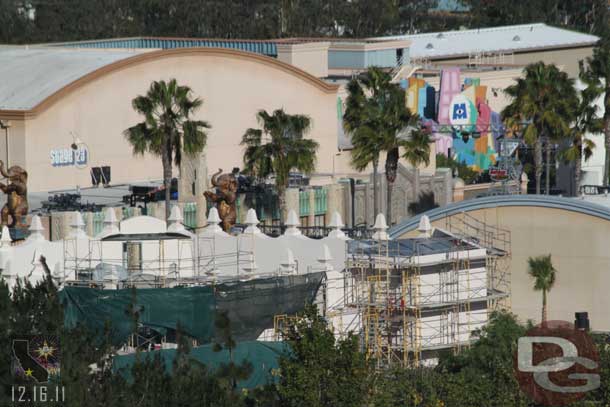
310,57
579,246
16,143
233,90
566,58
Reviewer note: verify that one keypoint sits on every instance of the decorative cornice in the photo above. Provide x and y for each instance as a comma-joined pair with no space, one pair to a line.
541,201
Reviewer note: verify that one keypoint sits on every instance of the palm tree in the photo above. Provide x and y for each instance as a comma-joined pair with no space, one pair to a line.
545,99
167,130
595,73
586,121
541,270
401,130
362,121
378,120
283,148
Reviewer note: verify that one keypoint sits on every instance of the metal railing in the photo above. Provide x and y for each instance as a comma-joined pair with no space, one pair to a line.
313,232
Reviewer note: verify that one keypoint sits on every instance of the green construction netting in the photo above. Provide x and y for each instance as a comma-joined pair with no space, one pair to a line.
160,309
264,357
250,305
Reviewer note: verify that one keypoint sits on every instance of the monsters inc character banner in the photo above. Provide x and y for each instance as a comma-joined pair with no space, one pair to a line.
459,117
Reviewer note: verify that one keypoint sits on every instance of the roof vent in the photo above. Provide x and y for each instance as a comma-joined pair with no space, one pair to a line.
516,38
429,46
440,36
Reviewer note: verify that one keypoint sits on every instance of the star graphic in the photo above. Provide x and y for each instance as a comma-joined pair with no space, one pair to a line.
45,351
29,372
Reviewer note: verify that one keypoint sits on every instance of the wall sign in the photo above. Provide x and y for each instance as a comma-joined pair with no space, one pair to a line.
65,157
462,112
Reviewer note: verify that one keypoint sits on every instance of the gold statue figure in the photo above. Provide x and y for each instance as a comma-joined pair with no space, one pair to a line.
16,189
224,198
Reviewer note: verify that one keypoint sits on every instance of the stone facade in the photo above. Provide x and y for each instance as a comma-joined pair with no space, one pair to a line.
408,187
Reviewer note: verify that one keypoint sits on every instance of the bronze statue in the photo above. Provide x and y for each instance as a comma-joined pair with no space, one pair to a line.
224,198
17,196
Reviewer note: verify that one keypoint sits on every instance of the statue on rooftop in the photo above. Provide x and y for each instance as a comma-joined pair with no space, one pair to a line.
225,197
16,190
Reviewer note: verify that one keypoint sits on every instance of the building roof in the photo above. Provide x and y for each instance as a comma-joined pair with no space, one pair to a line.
31,75
264,47
440,242
507,39
34,78
540,201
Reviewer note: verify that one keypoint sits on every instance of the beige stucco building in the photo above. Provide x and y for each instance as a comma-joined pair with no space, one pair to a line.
575,233
53,96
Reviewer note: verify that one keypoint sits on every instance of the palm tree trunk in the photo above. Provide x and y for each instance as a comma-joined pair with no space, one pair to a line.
281,195
607,146
375,200
391,169
547,177
167,182
538,163
577,172
544,306
390,186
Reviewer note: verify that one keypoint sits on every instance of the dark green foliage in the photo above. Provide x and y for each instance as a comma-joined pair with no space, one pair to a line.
230,373
68,20
320,370
378,121
323,371
168,130
278,148
583,15
467,174
595,74
5,341
423,204
545,98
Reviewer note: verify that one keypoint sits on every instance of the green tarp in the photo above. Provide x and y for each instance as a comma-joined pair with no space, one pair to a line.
159,308
250,305
264,357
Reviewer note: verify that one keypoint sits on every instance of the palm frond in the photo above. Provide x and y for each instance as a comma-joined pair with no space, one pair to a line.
542,271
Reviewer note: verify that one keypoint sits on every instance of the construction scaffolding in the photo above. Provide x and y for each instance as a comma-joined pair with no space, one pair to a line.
417,297
153,260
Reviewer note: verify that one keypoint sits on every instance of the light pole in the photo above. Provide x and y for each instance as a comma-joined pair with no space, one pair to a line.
5,125
335,156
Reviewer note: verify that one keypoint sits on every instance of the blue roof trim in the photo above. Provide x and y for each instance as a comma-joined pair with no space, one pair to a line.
543,201
268,48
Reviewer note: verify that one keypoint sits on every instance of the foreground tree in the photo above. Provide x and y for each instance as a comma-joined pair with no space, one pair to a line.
168,130
545,99
483,375
6,375
320,370
278,148
541,270
595,73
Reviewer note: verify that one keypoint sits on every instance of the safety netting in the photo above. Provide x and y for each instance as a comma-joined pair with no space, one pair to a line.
250,306
262,356
160,309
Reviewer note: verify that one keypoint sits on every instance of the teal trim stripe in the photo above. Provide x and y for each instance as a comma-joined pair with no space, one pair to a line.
268,48
542,201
